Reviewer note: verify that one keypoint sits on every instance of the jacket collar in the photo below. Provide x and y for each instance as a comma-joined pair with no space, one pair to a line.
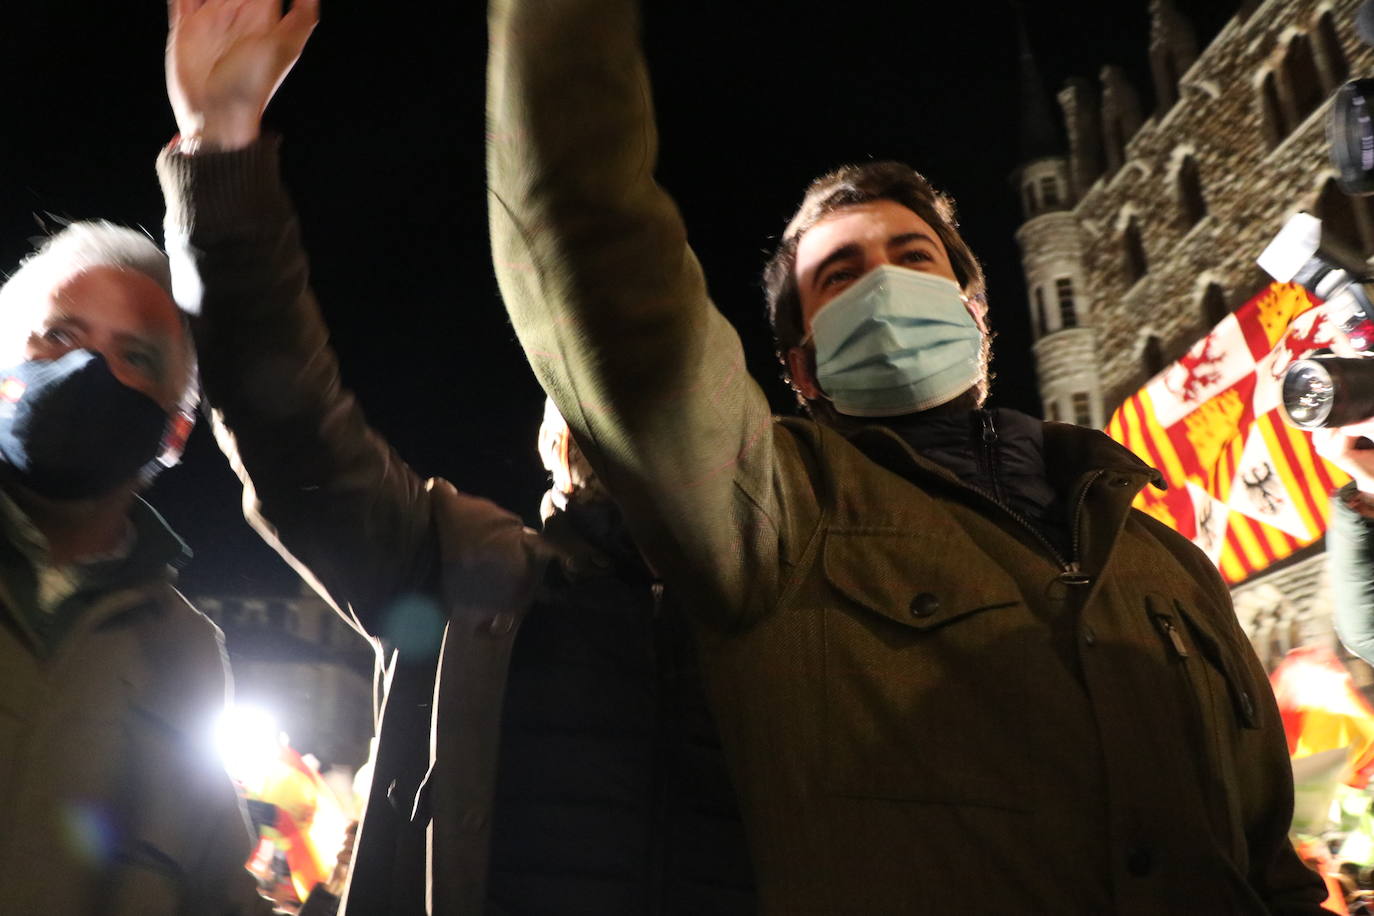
1071,452
154,553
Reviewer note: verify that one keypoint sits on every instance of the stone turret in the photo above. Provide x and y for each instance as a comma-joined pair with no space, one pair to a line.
1173,48
1121,118
1050,183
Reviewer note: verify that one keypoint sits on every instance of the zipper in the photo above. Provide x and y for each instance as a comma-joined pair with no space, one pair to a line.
990,454
1073,574
1166,626
1071,571
664,753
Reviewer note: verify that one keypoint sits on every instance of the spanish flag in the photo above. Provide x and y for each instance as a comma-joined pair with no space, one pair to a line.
1246,488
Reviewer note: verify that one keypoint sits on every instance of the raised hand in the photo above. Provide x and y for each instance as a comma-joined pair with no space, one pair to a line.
1341,448
225,59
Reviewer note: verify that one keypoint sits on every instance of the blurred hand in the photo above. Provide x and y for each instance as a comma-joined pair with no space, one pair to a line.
225,59
344,862
1338,446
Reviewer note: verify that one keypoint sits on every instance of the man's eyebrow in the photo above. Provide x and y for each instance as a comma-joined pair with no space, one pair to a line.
906,237
839,254
61,316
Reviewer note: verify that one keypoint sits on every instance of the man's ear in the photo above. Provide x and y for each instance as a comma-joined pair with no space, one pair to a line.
174,438
801,368
978,307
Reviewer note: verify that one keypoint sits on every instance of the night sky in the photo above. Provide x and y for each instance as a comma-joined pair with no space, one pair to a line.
383,120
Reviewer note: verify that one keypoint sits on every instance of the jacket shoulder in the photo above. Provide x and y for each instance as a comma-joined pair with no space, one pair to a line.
183,667
1189,556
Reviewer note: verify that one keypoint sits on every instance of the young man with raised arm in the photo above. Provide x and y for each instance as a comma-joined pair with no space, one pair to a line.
947,657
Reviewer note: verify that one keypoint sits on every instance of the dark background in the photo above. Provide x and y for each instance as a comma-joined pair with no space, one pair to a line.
383,152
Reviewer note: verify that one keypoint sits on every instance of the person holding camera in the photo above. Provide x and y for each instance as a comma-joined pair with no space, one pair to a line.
1350,535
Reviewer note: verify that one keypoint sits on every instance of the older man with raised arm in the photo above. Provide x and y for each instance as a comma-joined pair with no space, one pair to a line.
436,579
570,766
946,655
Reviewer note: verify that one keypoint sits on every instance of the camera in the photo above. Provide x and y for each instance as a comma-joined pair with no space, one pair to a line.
1350,133
1327,390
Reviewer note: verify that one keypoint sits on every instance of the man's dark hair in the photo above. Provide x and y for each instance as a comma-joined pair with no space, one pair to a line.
847,187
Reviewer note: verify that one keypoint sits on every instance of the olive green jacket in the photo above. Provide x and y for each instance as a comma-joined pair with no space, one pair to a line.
113,799
922,705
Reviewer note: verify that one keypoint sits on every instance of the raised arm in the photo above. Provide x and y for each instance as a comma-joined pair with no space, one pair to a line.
611,306
320,485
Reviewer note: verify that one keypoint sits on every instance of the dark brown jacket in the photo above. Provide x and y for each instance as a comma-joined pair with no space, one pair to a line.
395,554
922,704
612,798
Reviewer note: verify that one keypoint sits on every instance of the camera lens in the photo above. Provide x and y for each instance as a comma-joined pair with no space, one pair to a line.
1308,394
1327,391
1351,135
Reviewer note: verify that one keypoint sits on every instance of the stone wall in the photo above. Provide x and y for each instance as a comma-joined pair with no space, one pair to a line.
1250,180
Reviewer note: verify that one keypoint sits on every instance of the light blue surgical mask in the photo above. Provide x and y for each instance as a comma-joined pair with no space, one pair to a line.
897,341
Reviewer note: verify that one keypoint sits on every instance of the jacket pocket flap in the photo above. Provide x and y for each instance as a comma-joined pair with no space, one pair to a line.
1223,655
917,580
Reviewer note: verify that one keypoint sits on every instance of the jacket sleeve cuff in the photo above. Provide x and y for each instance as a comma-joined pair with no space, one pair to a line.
210,191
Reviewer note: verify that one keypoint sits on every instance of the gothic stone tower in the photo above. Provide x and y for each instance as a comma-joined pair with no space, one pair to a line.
1052,257
1142,229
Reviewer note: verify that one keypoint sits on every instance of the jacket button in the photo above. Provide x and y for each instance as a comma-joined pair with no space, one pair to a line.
501,624
1120,482
924,604
1140,862
1089,637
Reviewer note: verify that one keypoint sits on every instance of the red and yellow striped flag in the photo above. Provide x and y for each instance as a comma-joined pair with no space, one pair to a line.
1245,487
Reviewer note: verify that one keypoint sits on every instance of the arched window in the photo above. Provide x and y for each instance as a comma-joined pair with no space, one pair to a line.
1068,310
1345,217
1133,247
1040,325
1214,307
1028,199
1082,409
1049,192
1054,411
1334,65
1152,356
1300,69
1276,124
1192,203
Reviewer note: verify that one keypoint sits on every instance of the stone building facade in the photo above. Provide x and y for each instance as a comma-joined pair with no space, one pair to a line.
1142,228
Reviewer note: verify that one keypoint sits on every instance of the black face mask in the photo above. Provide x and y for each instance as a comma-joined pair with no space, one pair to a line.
70,430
